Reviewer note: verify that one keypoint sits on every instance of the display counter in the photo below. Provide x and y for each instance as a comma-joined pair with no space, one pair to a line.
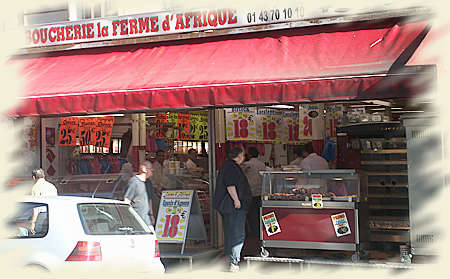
312,210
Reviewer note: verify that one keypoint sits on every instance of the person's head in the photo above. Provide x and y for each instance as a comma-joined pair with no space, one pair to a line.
252,152
38,173
236,154
298,151
192,153
161,156
307,149
147,168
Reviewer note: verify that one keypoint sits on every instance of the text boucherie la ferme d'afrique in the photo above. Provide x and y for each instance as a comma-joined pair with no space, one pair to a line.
130,26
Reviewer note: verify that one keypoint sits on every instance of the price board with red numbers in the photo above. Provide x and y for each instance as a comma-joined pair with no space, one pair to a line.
290,127
173,216
269,125
87,127
309,116
68,131
241,123
103,131
334,113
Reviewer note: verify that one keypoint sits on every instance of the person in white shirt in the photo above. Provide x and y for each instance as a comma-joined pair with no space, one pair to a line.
252,168
159,178
192,157
312,161
41,187
298,157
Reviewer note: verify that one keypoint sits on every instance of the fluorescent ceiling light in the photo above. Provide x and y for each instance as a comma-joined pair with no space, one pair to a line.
378,109
101,115
282,106
363,105
408,111
396,108
378,102
150,116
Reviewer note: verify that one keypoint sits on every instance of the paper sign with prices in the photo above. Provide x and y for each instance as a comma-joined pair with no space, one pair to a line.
316,201
271,224
340,223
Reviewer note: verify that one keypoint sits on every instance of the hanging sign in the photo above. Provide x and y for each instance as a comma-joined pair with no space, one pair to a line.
183,121
172,121
241,123
334,114
87,127
290,127
160,128
103,131
311,121
316,201
173,216
271,224
68,131
268,125
198,128
340,224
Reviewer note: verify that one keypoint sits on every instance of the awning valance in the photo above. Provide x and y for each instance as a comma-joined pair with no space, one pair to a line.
295,65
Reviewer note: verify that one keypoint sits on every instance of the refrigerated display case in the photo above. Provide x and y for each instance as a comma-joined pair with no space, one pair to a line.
320,209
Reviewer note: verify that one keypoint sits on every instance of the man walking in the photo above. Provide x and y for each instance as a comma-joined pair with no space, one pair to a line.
232,199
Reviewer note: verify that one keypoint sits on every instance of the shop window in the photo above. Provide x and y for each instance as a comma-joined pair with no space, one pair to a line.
46,15
115,148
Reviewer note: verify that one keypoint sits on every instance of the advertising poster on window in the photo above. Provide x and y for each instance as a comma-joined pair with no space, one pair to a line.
334,114
311,122
173,216
198,129
271,224
103,131
269,125
290,127
340,223
160,125
68,131
183,122
241,123
87,127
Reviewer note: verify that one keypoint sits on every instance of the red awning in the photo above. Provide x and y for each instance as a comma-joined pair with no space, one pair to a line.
295,65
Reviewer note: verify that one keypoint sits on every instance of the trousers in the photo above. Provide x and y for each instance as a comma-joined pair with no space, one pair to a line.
234,235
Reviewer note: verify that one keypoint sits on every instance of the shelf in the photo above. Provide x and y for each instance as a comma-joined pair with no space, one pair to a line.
385,237
386,185
404,162
388,195
389,206
385,151
388,173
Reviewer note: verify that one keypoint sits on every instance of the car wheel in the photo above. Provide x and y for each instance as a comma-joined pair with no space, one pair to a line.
37,267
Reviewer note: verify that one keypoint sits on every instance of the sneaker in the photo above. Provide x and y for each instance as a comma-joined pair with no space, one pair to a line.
234,268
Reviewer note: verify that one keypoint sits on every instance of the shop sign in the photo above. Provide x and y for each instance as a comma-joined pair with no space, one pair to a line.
334,114
290,127
173,216
340,223
271,224
241,123
317,201
269,125
198,128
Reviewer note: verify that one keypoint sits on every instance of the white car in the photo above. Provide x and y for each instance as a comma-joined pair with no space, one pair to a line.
84,233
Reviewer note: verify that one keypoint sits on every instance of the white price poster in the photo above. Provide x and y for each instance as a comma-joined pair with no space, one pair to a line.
340,223
271,224
269,125
311,122
173,215
241,123
290,127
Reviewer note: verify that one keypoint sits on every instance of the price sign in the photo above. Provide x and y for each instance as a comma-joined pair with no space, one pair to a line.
87,127
334,113
340,224
290,127
198,129
172,120
68,131
183,121
268,125
241,123
161,120
103,131
173,216
310,120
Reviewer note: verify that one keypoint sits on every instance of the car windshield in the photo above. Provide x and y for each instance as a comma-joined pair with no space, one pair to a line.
110,219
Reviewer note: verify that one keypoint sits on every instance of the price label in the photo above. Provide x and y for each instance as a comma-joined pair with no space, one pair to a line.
291,128
309,121
68,131
103,131
87,127
183,121
161,121
334,113
173,215
241,123
198,129
172,121
268,125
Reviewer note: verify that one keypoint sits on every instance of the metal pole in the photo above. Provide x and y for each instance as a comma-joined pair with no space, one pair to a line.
212,174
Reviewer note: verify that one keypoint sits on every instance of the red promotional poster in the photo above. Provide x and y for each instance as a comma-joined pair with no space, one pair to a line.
161,123
68,131
87,127
183,123
103,131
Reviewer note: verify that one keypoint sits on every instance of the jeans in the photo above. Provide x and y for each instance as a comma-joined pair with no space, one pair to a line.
234,235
